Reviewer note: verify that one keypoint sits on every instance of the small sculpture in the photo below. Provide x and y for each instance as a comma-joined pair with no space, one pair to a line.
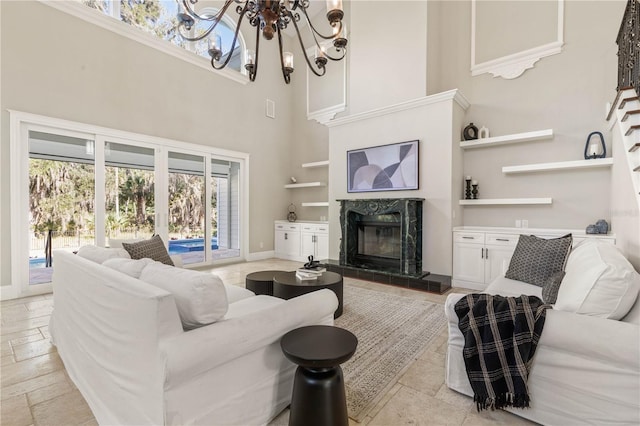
594,150
601,227
474,191
470,132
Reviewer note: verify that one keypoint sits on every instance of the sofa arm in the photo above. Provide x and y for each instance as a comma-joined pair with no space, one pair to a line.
614,342
192,353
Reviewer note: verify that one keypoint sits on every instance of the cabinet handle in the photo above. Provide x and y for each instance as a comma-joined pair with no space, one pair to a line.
469,238
486,255
286,236
502,239
482,253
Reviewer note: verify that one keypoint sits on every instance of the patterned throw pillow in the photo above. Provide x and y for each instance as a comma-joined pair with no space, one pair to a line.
551,287
536,259
153,248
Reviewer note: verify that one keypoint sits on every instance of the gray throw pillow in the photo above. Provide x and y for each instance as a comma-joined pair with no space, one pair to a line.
153,248
536,259
551,287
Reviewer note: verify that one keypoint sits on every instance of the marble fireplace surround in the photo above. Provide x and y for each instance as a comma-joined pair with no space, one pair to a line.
406,211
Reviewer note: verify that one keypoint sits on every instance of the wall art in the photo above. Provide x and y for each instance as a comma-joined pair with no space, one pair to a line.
391,167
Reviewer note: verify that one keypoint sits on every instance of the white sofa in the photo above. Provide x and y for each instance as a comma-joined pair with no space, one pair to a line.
123,344
586,369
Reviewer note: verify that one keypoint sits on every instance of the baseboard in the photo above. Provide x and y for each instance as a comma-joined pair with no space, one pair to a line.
261,255
7,292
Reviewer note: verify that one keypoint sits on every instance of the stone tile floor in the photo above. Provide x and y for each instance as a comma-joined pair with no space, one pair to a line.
36,390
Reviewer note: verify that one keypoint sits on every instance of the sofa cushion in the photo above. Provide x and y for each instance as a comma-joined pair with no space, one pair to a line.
200,297
235,293
131,267
536,259
506,287
599,281
153,248
100,254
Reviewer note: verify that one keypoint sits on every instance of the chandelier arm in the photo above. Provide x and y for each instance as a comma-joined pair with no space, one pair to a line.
285,75
214,24
254,71
215,17
344,53
331,37
304,52
233,44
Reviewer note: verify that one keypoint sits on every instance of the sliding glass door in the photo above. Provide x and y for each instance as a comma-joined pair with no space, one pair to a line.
61,198
76,184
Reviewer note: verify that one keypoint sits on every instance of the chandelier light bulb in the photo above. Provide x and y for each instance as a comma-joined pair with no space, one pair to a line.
250,57
288,60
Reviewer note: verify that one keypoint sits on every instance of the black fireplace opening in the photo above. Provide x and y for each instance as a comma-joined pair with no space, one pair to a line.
379,242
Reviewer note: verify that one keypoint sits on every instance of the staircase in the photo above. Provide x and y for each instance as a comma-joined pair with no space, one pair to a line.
624,121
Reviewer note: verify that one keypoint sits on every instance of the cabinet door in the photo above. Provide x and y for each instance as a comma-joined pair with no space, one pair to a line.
308,245
279,244
287,244
468,262
497,261
322,246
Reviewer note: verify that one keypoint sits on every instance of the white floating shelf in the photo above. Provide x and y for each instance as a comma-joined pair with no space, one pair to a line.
316,204
507,139
562,165
304,185
316,164
505,201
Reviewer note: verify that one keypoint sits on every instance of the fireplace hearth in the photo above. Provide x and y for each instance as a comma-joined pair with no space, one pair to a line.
382,235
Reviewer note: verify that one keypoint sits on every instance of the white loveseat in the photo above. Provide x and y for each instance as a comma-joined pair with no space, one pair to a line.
123,344
586,368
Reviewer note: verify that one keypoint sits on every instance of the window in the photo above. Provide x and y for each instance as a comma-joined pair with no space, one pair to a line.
158,18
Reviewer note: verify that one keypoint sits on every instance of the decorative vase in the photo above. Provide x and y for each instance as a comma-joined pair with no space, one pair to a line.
483,133
474,191
470,132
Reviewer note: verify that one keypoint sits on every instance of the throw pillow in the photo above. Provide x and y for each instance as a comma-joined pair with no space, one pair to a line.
200,297
536,259
551,287
131,267
153,248
599,281
100,254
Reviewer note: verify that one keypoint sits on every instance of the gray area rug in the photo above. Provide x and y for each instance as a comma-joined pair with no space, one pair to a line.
392,332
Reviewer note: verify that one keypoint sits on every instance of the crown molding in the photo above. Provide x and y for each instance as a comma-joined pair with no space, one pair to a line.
450,95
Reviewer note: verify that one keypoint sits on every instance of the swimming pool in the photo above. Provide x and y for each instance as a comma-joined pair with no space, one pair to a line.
190,244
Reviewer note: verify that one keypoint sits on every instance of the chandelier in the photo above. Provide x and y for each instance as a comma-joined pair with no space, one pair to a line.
269,17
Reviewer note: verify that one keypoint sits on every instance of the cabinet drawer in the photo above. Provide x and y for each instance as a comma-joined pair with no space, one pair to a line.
287,227
502,239
315,228
468,237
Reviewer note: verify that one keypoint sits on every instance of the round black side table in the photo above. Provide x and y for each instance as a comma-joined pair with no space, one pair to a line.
261,282
287,286
318,396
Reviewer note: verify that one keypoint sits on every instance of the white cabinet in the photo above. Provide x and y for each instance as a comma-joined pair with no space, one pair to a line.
315,241
479,258
296,241
287,240
481,254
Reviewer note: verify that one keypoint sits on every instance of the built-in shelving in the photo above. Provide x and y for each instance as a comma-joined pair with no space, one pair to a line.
316,204
507,139
561,165
316,164
305,185
505,201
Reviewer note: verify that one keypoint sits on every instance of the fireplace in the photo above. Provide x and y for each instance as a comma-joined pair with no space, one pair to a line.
382,235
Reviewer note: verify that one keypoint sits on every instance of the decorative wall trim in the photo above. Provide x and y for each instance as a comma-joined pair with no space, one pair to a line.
261,255
94,17
514,65
453,94
324,115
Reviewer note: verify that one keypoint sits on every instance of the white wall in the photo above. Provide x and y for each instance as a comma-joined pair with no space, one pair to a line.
64,67
565,92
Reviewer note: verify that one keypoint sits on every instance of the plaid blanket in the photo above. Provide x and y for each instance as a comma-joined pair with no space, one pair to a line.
501,335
